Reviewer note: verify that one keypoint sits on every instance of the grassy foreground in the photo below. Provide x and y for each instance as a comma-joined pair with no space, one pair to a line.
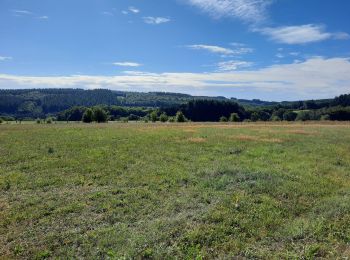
175,191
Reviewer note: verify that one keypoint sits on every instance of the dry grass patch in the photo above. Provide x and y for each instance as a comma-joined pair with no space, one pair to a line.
257,139
302,132
197,140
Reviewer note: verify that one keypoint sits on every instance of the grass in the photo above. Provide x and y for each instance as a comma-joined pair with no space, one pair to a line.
188,191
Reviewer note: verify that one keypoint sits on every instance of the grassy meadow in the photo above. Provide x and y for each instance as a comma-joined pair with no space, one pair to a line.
186,191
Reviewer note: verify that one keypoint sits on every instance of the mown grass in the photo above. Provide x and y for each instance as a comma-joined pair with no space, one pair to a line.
187,191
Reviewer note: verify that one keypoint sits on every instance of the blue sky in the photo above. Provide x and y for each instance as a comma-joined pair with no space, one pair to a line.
267,49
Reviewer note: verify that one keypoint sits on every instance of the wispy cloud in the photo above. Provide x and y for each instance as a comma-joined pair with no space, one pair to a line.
233,65
155,20
5,58
316,77
107,13
21,12
127,64
250,11
301,34
221,50
133,10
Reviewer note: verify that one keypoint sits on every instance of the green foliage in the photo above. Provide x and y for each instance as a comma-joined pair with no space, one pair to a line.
325,117
1,120
154,116
49,120
289,116
223,119
234,117
88,116
260,115
163,117
180,118
275,118
100,115
38,121
133,117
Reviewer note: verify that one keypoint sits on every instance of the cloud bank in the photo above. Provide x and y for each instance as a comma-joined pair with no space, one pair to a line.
316,77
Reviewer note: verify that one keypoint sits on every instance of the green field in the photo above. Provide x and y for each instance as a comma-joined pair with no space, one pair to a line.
192,191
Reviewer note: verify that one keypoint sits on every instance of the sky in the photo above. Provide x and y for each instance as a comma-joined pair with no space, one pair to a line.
254,49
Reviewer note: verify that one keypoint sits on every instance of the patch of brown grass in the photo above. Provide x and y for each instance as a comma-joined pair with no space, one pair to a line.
257,139
196,140
301,132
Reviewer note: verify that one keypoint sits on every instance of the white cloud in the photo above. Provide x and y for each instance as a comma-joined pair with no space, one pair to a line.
301,34
316,77
279,55
4,58
251,11
125,12
127,64
233,65
133,10
107,13
341,36
44,17
155,20
220,50
21,12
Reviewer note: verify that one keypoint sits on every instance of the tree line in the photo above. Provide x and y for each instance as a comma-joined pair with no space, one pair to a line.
198,109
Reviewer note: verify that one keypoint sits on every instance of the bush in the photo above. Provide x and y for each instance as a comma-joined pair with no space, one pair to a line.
100,116
88,116
234,117
163,117
180,118
223,119
289,116
49,120
1,120
171,119
325,117
133,117
154,116
303,116
38,121
275,118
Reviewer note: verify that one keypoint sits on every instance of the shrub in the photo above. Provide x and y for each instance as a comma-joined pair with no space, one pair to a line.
171,119
38,121
234,117
325,117
154,116
180,117
100,115
275,118
1,120
303,116
88,116
163,117
49,120
289,116
133,117
223,119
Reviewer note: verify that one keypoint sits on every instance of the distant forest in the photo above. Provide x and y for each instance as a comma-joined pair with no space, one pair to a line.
71,104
